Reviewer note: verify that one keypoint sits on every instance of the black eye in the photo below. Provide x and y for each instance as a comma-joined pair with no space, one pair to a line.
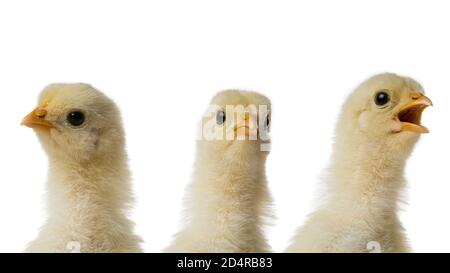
220,117
76,118
381,98
267,121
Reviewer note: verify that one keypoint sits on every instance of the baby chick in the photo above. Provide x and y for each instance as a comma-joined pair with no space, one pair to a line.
228,198
378,127
88,187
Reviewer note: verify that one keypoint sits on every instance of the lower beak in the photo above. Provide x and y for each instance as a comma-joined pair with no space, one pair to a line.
411,114
36,120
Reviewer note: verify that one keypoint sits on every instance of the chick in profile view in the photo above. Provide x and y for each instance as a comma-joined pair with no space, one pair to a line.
378,128
88,187
228,198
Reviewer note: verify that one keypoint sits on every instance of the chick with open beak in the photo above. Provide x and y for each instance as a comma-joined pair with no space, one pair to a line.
389,104
378,127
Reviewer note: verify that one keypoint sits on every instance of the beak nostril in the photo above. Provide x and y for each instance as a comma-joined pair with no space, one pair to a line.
40,113
416,96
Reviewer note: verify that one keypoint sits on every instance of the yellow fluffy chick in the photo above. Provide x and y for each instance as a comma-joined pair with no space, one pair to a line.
378,127
228,198
88,186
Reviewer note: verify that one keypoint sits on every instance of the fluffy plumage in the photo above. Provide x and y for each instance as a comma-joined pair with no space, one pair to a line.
228,197
88,188
374,137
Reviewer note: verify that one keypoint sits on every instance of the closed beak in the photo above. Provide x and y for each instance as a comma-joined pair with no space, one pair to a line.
36,120
245,127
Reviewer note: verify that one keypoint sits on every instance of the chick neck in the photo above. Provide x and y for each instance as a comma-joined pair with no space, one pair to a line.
368,171
97,186
233,172
231,185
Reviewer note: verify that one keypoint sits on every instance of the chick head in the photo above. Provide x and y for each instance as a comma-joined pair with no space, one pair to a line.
76,122
387,107
237,119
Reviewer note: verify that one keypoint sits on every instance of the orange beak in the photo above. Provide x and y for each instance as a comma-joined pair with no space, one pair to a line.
36,120
245,126
246,129
411,114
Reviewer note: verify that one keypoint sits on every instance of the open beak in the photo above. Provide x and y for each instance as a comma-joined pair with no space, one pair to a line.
36,120
411,114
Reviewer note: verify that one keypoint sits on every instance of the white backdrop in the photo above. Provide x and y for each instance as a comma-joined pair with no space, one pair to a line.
162,61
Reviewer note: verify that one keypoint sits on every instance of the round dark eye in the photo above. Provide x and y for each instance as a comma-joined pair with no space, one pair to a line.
76,118
381,98
220,117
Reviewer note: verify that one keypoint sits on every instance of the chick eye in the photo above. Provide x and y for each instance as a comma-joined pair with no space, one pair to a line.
76,118
382,98
267,121
220,117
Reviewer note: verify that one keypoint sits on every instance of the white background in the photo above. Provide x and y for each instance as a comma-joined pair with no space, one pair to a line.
162,61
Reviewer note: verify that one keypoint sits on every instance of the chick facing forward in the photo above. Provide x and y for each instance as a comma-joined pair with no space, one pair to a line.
88,187
378,128
228,198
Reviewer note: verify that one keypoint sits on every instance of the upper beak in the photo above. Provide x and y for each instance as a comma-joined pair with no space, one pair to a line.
36,120
410,115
